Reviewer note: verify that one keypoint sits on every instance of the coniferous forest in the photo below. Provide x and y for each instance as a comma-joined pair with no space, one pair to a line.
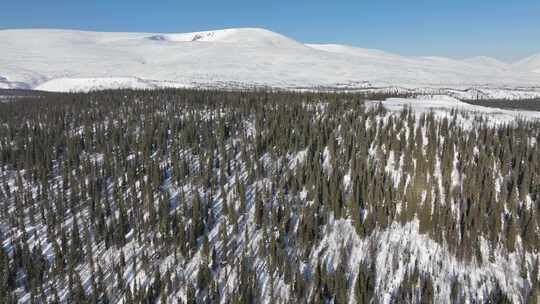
200,196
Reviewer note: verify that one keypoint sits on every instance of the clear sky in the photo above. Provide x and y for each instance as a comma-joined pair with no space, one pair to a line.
505,29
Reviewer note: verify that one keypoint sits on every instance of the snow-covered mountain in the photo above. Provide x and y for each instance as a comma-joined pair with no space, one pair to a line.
63,60
530,63
487,61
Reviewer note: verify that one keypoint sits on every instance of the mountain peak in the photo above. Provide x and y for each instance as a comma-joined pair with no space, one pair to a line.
531,63
245,36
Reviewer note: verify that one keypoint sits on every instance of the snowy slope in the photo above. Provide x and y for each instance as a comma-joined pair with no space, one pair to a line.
487,61
443,105
530,64
63,60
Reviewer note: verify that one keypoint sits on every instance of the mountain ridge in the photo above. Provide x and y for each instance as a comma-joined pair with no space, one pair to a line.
252,56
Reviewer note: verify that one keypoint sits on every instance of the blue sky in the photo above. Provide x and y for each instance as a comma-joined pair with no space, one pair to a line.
507,30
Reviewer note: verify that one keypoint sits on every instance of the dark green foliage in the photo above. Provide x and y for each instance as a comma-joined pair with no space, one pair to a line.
365,284
247,182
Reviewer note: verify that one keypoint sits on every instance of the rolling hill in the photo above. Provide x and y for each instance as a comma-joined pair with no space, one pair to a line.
64,60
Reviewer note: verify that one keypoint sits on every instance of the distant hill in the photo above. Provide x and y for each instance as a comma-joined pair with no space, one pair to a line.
66,60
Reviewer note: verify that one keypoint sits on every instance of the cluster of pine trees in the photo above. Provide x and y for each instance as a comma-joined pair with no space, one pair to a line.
187,196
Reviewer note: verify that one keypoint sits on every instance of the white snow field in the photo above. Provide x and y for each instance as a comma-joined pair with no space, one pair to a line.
69,60
442,106
530,63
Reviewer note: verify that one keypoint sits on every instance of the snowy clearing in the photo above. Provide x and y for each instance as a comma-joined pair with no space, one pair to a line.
443,105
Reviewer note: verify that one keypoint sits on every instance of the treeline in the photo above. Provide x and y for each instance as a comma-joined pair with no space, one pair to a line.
526,104
199,196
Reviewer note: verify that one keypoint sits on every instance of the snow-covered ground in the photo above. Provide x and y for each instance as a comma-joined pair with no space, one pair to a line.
66,60
443,105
